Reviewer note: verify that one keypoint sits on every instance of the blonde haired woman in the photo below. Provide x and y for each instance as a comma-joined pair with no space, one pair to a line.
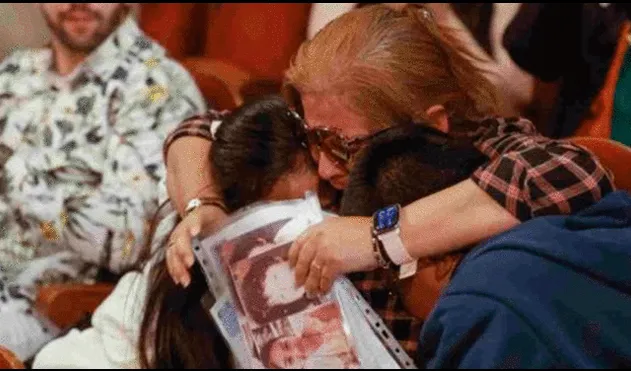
376,67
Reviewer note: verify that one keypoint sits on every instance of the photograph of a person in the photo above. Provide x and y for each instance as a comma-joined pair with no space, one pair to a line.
269,331
322,343
266,287
246,245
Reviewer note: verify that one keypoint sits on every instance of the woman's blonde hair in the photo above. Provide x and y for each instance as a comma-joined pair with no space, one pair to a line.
392,65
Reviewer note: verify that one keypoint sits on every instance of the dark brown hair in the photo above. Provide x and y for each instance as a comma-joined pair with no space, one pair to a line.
405,163
255,146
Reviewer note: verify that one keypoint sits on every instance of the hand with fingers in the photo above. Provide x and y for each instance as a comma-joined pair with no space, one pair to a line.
332,248
179,254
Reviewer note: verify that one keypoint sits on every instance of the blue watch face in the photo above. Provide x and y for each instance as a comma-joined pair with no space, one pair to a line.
386,218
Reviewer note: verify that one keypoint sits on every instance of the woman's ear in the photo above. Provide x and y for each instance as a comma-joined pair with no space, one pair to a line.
438,117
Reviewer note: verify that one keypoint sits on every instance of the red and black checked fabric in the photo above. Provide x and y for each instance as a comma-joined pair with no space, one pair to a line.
531,175
196,126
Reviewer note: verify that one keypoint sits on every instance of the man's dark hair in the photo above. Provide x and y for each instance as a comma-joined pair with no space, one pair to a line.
404,164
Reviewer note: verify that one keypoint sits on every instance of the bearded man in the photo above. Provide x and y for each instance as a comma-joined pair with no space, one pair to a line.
82,122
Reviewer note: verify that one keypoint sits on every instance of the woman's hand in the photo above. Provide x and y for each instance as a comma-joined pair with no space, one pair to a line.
179,254
332,248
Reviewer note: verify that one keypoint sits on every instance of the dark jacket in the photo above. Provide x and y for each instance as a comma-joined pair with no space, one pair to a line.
554,292
573,43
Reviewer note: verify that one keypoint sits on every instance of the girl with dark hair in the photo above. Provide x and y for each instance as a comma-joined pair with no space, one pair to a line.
259,155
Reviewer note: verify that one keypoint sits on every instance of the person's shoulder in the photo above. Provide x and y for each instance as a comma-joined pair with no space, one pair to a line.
470,331
156,61
144,60
160,70
24,59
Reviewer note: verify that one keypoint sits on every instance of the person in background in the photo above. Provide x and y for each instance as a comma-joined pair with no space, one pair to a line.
82,122
582,66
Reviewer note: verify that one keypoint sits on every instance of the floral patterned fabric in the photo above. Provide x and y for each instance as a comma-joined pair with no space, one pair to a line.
81,169
82,153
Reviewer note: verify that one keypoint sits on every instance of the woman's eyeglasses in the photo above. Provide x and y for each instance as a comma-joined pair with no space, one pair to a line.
337,147
341,149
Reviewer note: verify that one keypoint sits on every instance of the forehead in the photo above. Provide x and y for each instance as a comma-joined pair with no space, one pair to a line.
333,112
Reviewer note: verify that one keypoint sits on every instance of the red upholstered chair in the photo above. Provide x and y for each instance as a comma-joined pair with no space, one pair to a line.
8,360
245,45
613,155
67,304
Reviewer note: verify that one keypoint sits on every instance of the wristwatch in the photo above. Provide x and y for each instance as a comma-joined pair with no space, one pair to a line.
386,229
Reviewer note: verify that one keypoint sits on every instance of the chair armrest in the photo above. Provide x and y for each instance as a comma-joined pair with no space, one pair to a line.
613,155
66,304
8,360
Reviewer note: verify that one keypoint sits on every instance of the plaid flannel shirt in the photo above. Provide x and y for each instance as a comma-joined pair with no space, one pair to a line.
528,174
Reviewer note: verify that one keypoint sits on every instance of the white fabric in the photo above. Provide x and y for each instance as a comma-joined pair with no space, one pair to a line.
394,248
112,340
20,332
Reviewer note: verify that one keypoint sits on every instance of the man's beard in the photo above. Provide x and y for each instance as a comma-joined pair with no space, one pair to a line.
103,30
